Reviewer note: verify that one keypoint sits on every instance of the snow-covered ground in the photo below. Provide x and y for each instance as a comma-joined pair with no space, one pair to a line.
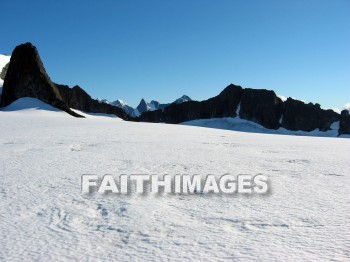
237,124
44,216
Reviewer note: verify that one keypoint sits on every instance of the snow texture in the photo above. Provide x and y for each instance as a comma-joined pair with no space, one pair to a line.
44,216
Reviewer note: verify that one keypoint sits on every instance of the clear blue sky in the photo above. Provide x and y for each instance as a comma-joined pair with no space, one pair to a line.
163,49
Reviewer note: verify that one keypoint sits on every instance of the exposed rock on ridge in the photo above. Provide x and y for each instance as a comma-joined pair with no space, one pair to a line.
307,117
344,126
261,106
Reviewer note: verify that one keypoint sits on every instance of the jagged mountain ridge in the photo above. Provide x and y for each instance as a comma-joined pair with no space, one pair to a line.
261,106
26,77
143,105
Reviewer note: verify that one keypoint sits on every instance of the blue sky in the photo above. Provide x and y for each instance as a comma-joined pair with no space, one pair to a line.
159,49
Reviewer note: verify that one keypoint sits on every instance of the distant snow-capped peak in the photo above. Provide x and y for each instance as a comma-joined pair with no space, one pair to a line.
347,106
103,101
119,103
183,99
143,105
128,109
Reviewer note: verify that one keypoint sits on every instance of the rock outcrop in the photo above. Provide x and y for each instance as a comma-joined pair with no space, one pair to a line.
307,117
27,77
344,125
261,106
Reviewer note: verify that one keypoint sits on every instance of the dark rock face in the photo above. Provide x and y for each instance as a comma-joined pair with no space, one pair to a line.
258,105
142,107
344,127
223,105
261,106
26,77
307,117
77,98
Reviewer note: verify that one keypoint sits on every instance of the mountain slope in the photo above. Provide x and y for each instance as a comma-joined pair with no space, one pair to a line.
127,109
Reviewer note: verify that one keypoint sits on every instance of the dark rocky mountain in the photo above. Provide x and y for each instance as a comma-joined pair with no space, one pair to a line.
142,107
257,105
27,77
344,126
307,117
262,107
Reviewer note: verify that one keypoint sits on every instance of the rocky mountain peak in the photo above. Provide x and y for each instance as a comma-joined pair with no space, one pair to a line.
183,99
27,77
142,107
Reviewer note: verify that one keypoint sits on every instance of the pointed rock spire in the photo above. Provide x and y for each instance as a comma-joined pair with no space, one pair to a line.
27,77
